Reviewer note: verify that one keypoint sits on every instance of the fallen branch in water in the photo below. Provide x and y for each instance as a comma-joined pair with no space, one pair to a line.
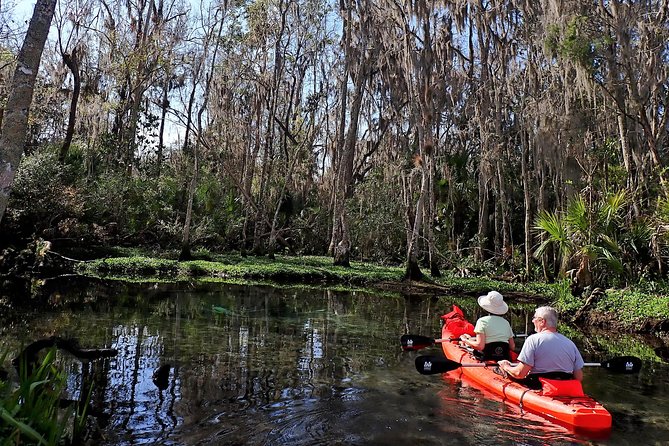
29,354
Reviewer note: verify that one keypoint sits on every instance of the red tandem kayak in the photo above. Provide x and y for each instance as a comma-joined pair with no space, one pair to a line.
583,413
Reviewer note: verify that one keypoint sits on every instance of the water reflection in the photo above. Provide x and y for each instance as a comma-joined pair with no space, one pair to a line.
260,366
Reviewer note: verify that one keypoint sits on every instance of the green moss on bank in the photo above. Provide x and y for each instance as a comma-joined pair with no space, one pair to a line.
282,269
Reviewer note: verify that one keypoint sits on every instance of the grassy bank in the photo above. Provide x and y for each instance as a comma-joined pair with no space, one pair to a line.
631,310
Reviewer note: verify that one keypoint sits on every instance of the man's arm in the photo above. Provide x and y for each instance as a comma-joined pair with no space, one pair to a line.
518,371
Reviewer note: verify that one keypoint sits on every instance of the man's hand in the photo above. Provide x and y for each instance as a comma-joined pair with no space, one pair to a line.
501,365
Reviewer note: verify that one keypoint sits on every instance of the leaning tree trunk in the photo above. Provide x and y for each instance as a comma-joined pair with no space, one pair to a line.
15,121
72,62
164,105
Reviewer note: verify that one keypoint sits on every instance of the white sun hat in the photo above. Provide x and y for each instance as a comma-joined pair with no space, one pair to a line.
493,302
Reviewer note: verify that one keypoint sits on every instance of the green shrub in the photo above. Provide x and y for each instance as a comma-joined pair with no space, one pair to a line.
40,193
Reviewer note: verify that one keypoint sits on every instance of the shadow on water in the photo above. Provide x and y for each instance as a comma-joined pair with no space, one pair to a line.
260,366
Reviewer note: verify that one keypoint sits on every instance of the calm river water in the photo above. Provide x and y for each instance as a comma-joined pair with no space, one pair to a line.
269,366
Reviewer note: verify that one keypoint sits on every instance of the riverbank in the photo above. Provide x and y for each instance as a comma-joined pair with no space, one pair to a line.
621,309
629,310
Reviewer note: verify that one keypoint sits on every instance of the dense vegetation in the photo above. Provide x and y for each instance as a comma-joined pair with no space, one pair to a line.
441,136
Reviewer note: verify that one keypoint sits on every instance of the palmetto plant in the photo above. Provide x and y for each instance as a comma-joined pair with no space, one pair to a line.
585,236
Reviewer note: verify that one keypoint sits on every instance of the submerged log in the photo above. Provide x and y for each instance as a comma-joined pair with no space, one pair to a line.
29,355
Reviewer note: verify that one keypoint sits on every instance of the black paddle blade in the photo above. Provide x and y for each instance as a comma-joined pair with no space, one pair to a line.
623,364
432,365
415,342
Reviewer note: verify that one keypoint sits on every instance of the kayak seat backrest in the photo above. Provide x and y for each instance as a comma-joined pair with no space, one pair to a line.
496,351
560,387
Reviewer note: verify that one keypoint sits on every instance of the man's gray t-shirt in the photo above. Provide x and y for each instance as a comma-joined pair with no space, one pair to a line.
550,352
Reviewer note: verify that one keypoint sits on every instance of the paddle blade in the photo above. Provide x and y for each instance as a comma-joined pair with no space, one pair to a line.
432,365
623,364
415,342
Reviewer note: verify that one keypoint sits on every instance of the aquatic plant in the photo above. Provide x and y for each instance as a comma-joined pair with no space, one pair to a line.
31,412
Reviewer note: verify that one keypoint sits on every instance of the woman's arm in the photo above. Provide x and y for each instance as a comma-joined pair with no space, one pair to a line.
477,342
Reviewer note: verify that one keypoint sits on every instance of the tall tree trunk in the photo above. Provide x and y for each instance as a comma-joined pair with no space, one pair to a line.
342,250
269,153
412,271
484,215
527,196
186,240
429,226
341,129
249,172
72,62
164,105
15,122
185,253
506,238
487,139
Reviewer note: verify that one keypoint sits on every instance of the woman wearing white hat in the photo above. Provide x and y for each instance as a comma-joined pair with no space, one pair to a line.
494,336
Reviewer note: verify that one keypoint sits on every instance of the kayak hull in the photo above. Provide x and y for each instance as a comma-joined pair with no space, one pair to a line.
581,413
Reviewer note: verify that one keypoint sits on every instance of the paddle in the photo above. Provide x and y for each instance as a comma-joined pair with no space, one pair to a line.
431,365
417,342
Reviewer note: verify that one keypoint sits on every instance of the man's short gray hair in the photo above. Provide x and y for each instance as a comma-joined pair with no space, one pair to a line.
549,314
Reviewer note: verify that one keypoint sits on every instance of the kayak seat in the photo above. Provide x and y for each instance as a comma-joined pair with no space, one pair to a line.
495,351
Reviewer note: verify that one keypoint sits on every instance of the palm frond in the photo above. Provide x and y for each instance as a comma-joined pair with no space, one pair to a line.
577,215
612,207
609,243
611,260
552,225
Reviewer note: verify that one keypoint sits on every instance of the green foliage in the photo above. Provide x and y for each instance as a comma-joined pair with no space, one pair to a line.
632,307
130,266
572,43
218,210
555,228
135,203
380,235
576,45
31,413
562,297
40,193
312,228
587,235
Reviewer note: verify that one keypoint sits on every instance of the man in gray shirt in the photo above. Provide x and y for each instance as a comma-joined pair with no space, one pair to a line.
546,353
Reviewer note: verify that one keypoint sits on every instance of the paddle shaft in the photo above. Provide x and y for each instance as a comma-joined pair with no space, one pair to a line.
418,342
513,364
437,341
